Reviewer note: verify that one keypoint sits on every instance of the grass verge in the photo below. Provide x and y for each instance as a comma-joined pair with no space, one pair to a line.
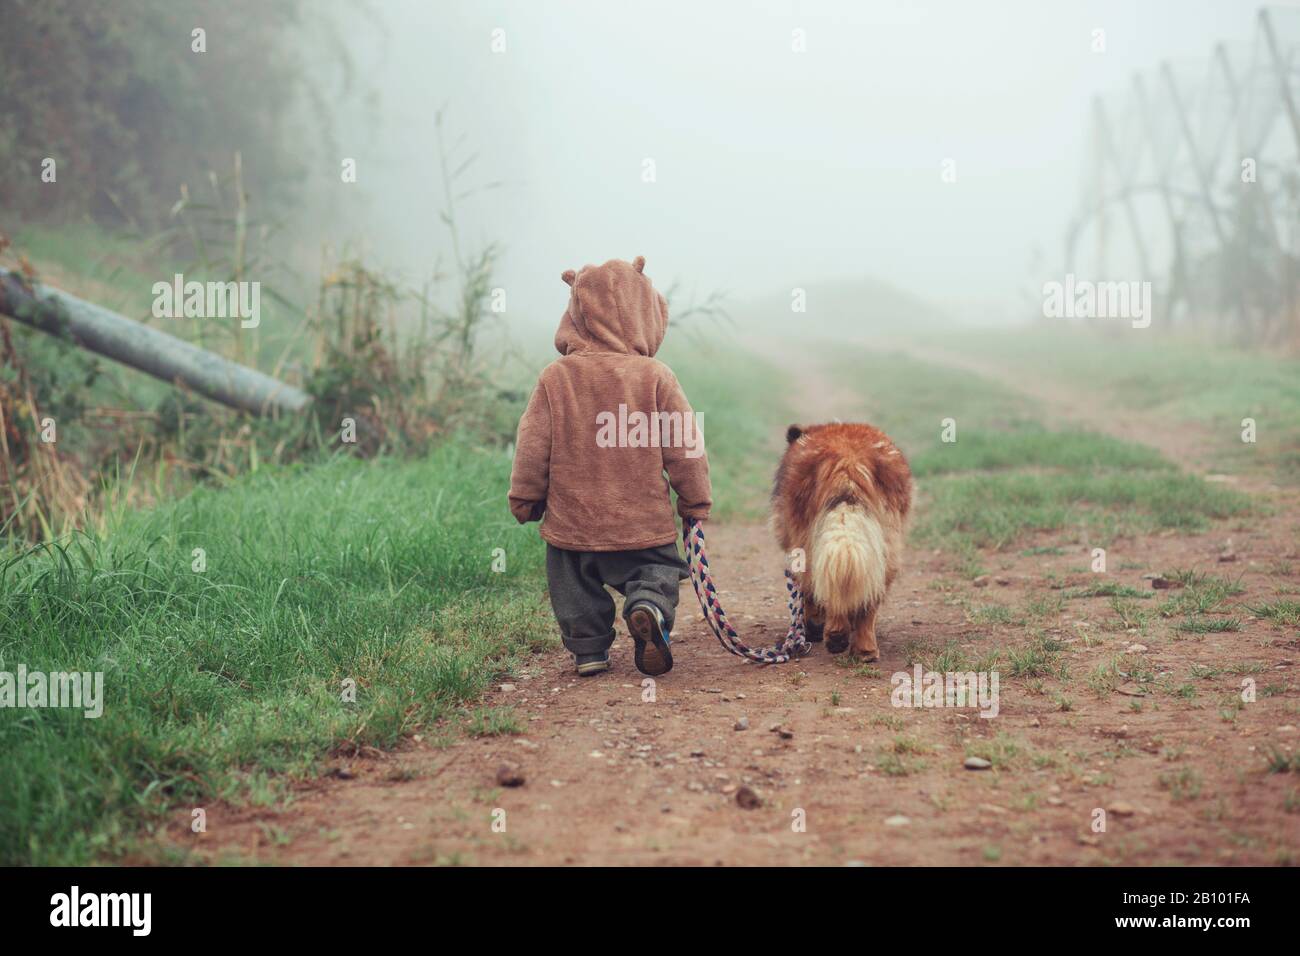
1177,378
218,680
745,417
229,625
991,473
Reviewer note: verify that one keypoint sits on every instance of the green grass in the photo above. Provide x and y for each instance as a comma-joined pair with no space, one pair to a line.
1007,475
1173,377
910,398
1002,751
995,614
1182,785
493,722
892,764
995,510
951,658
112,265
1044,607
745,418
1209,625
1107,589
1201,593
1279,761
226,683
378,573
1030,445
118,271
1280,612
1039,658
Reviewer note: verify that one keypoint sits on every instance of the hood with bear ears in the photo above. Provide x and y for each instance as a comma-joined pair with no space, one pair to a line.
613,308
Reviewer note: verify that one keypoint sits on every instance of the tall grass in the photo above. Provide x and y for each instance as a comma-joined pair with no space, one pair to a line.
375,572
224,681
400,365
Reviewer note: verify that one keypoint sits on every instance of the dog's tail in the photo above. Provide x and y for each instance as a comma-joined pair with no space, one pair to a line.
847,564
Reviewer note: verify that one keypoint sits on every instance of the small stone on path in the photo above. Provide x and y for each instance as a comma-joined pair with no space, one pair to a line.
509,775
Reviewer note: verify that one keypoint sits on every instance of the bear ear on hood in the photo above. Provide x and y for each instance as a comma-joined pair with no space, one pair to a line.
639,263
792,433
568,275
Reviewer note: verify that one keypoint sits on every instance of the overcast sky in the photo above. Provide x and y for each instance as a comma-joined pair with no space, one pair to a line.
773,168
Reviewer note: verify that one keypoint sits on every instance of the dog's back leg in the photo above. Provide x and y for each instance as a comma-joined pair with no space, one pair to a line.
838,628
814,620
864,634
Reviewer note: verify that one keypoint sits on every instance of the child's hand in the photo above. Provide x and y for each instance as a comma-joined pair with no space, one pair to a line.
526,511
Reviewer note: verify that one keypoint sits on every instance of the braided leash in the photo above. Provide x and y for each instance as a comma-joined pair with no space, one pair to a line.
793,645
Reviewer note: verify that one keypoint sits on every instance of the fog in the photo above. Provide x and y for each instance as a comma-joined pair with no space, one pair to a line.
772,169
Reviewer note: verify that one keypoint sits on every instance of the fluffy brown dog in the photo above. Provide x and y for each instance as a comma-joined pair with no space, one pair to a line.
842,495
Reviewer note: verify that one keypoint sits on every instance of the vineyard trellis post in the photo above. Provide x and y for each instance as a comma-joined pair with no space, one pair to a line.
1217,242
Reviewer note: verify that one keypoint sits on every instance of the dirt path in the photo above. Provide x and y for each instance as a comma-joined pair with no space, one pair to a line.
618,770
615,774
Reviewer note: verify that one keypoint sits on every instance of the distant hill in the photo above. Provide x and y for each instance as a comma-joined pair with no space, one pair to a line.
841,305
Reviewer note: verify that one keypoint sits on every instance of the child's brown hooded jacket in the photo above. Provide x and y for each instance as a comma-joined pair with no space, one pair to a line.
590,466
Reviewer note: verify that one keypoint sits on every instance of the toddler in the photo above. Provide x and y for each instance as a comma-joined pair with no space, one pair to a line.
604,424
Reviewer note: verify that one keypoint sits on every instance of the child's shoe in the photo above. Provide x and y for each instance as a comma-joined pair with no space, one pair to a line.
647,626
590,664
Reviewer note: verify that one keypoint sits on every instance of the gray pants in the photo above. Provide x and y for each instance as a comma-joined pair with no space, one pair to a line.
584,609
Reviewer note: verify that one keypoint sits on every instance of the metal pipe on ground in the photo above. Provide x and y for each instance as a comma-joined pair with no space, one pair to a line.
148,350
